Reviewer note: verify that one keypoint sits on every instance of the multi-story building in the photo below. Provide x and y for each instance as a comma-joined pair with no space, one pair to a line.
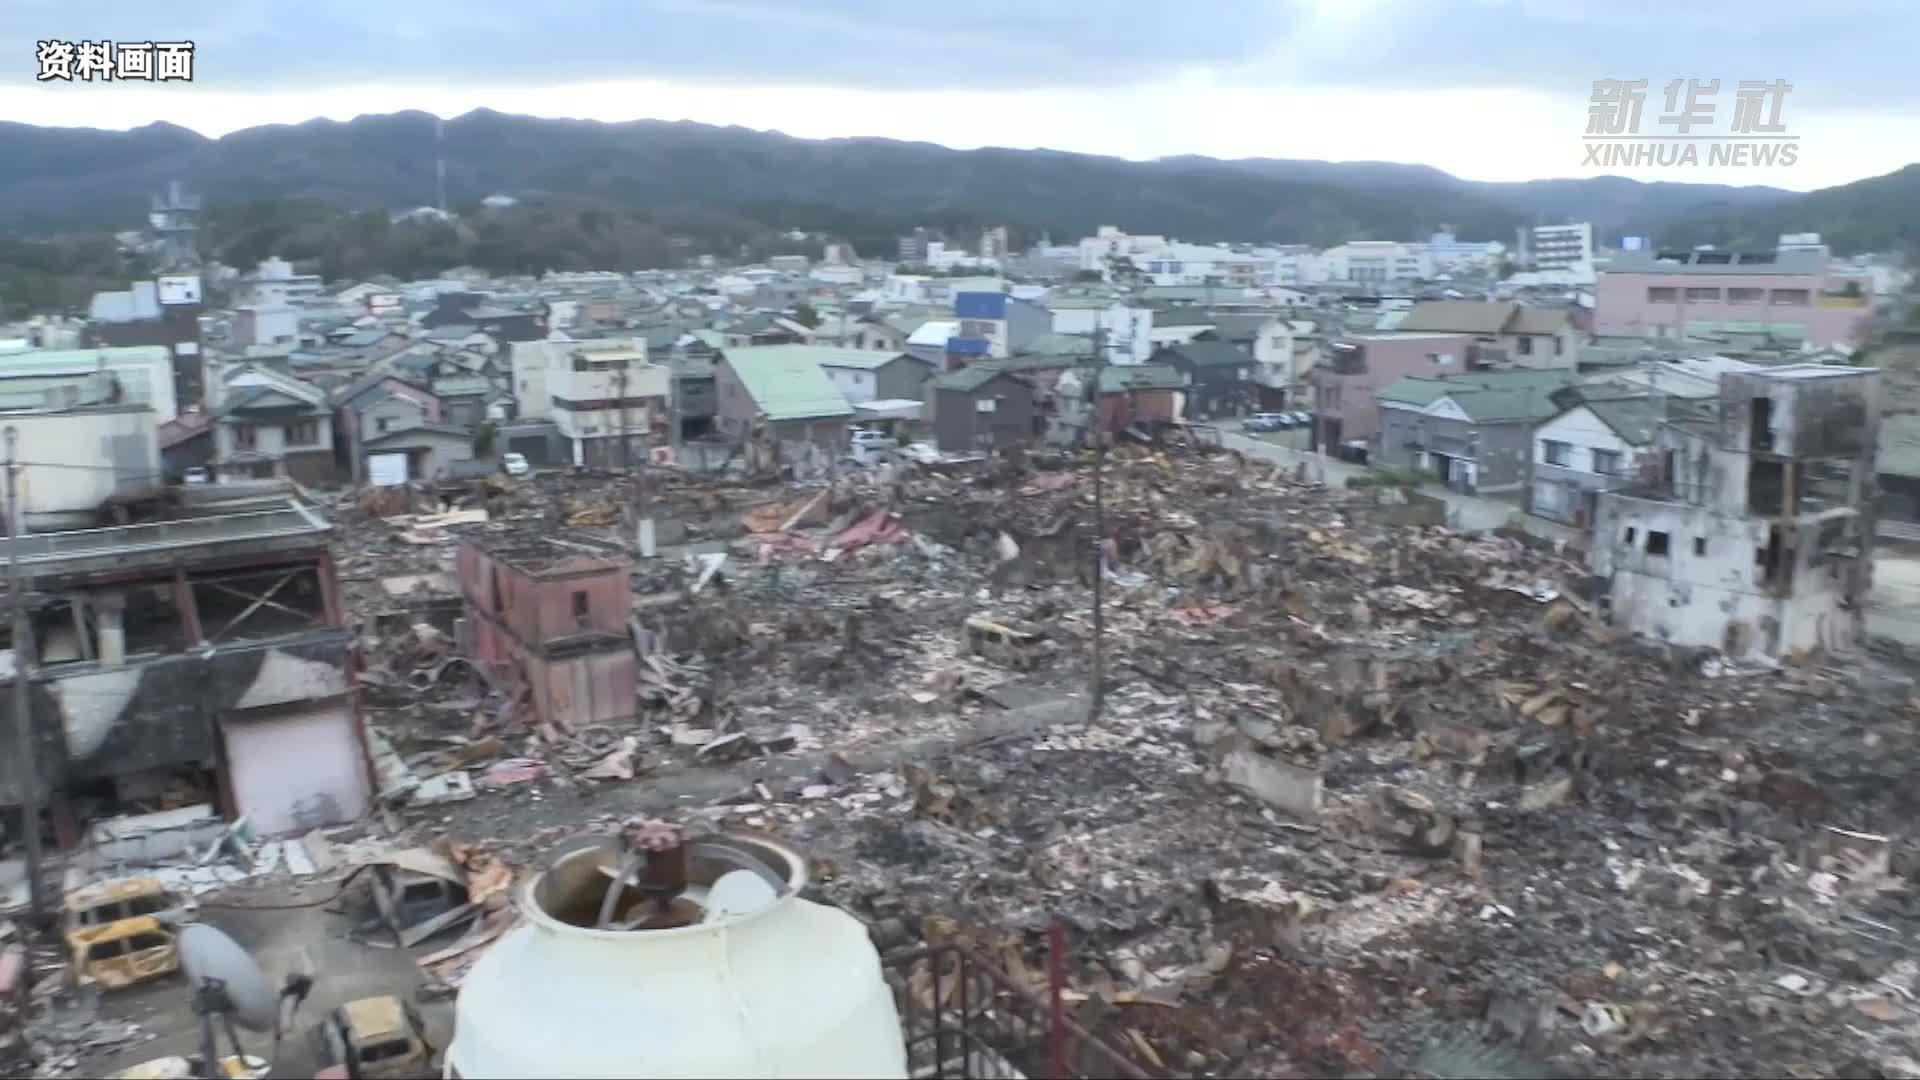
609,401
1594,446
1754,531
1359,365
1669,294
1473,431
1564,252
164,312
268,425
1377,261
993,324
993,243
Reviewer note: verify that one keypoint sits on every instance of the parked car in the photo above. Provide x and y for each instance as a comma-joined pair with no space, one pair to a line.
872,446
1267,421
377,1038
515,464
197,475
1303,419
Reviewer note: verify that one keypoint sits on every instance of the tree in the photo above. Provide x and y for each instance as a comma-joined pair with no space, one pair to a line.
805,315
483,437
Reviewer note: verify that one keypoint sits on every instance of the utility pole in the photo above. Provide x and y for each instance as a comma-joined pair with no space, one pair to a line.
26,770
1096,703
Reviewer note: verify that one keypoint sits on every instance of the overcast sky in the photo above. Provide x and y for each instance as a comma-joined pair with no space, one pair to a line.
1485,89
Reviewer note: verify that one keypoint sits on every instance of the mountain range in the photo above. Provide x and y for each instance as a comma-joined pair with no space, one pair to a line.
72,179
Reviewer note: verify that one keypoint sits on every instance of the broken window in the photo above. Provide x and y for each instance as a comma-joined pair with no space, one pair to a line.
1767,488
381,1051
1762,434
580,609
259,603
1656,542
1773,561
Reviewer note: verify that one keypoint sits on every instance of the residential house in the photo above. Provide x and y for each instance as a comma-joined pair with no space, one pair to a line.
1785,295
1219,377
981,408
1474,431
1755,533
450,309
1269,339
420,452
784,388
930,341
879,334
1356,366
1596,445
551,620
463,399
1127,394
865,376
271,425
1505,334
1178,325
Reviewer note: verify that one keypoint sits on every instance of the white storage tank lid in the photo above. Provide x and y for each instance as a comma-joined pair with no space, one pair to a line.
656,955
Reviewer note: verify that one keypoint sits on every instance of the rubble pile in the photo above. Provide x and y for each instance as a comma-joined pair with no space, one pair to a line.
1356,786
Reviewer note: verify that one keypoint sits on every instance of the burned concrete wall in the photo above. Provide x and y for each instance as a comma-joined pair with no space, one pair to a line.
1801,411
102,722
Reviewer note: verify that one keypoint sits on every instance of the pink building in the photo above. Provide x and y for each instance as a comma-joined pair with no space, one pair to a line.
1786,294
1360,364
552,620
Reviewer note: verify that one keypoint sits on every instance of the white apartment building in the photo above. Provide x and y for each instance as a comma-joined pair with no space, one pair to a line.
600,392
1564,252
1377,261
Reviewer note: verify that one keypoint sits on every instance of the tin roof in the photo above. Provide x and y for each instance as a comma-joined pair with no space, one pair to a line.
787,382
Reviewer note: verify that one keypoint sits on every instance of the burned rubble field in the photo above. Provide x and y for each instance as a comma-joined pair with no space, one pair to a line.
1358,787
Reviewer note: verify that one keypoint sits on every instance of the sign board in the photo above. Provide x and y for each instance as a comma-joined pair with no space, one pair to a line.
178,289
387,470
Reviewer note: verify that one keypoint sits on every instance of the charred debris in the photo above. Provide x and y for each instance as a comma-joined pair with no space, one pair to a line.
1360,784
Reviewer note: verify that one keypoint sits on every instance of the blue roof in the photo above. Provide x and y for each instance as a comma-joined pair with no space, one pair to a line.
960,346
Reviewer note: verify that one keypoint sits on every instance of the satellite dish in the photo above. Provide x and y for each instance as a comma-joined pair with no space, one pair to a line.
206,953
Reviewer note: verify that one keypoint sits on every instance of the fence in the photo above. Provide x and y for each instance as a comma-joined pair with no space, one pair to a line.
966,1019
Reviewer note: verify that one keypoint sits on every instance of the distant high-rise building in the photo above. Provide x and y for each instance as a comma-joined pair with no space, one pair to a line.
993,243
1564,249
913,246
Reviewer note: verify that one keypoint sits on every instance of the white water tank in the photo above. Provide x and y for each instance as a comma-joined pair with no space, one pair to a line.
790,988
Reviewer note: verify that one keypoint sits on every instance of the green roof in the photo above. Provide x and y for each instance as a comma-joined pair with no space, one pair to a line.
1630,418
787,382
1485,396
1053,344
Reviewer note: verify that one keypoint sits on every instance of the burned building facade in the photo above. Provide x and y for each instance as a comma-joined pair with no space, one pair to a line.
201,660
549,619
1753,531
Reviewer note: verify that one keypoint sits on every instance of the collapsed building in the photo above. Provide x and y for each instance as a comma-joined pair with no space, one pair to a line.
197,661
1756,534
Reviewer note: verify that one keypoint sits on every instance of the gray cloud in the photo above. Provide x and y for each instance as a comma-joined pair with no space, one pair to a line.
1838,52
1848,53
